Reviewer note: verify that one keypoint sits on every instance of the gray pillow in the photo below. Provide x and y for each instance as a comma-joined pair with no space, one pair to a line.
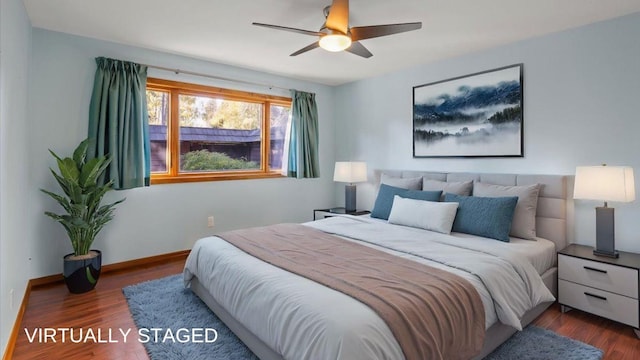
459,188
404,183
524,217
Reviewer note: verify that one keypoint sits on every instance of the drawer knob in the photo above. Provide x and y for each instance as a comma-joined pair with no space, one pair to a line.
594,269
596,296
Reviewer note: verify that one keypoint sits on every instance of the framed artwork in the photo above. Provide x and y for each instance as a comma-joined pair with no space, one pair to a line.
477,115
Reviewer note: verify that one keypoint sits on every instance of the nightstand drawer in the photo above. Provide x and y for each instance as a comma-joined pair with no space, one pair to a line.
615,279
612,306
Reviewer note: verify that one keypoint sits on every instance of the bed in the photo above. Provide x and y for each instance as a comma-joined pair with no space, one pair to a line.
256,299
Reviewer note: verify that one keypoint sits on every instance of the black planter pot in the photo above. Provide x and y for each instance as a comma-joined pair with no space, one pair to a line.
82,275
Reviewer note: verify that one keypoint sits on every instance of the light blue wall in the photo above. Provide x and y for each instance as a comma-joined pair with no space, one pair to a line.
161,218
15,195
581,96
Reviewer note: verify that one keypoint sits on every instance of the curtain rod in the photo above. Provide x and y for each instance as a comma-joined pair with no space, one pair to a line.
178,71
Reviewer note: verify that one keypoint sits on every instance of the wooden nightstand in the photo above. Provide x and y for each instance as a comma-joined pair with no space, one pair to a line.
602,286
325,213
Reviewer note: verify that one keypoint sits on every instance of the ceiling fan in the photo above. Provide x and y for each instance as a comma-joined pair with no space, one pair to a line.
336,35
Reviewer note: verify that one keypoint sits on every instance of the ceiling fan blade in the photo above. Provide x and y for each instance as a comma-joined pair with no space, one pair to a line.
306,48
359,49
338,18
368,32
299,31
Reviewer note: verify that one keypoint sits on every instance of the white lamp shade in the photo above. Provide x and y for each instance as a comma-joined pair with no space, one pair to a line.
350,171
605,183
335,42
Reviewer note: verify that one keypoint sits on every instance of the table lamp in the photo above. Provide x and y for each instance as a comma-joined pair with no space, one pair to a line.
350,172
605,183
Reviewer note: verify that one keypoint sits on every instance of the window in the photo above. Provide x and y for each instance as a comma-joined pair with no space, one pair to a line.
201,133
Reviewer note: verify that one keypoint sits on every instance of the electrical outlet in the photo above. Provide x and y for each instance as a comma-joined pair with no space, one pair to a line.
11,292
211,221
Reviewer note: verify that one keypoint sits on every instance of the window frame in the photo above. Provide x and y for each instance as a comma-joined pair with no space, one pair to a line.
177,88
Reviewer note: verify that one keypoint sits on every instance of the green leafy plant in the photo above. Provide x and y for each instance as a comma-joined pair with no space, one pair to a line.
78,179
204,160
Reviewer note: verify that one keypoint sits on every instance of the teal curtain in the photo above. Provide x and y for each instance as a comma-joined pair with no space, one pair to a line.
303,140
118,124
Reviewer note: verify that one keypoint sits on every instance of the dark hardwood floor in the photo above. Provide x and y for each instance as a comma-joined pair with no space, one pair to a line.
105,307
616,340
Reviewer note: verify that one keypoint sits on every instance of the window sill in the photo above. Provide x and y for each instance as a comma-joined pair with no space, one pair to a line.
186,178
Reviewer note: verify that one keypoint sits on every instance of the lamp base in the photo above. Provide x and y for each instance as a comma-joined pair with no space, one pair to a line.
613,254
350,198
605,233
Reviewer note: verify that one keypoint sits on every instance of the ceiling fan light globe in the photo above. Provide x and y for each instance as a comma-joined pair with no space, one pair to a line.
335,42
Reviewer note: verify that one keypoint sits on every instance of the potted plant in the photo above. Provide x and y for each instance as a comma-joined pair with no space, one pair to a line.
84,217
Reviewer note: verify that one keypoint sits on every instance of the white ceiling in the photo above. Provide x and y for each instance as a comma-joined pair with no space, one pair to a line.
221,30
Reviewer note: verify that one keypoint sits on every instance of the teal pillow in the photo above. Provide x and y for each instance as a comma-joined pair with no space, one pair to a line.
489,217
384,201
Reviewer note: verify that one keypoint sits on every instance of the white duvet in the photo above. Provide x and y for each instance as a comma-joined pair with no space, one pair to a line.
301,319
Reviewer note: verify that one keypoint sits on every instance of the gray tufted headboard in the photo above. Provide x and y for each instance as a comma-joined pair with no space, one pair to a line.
551,215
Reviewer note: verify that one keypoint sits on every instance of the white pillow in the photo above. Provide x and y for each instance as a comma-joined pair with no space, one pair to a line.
429,215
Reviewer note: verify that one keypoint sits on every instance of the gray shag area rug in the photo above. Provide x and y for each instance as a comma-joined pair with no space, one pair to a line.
534,343
166,304
178,314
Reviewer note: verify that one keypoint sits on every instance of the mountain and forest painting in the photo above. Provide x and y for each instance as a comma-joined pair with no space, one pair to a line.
474,115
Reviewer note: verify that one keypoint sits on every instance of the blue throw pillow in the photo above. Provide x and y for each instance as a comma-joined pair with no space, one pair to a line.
384,201
489,217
